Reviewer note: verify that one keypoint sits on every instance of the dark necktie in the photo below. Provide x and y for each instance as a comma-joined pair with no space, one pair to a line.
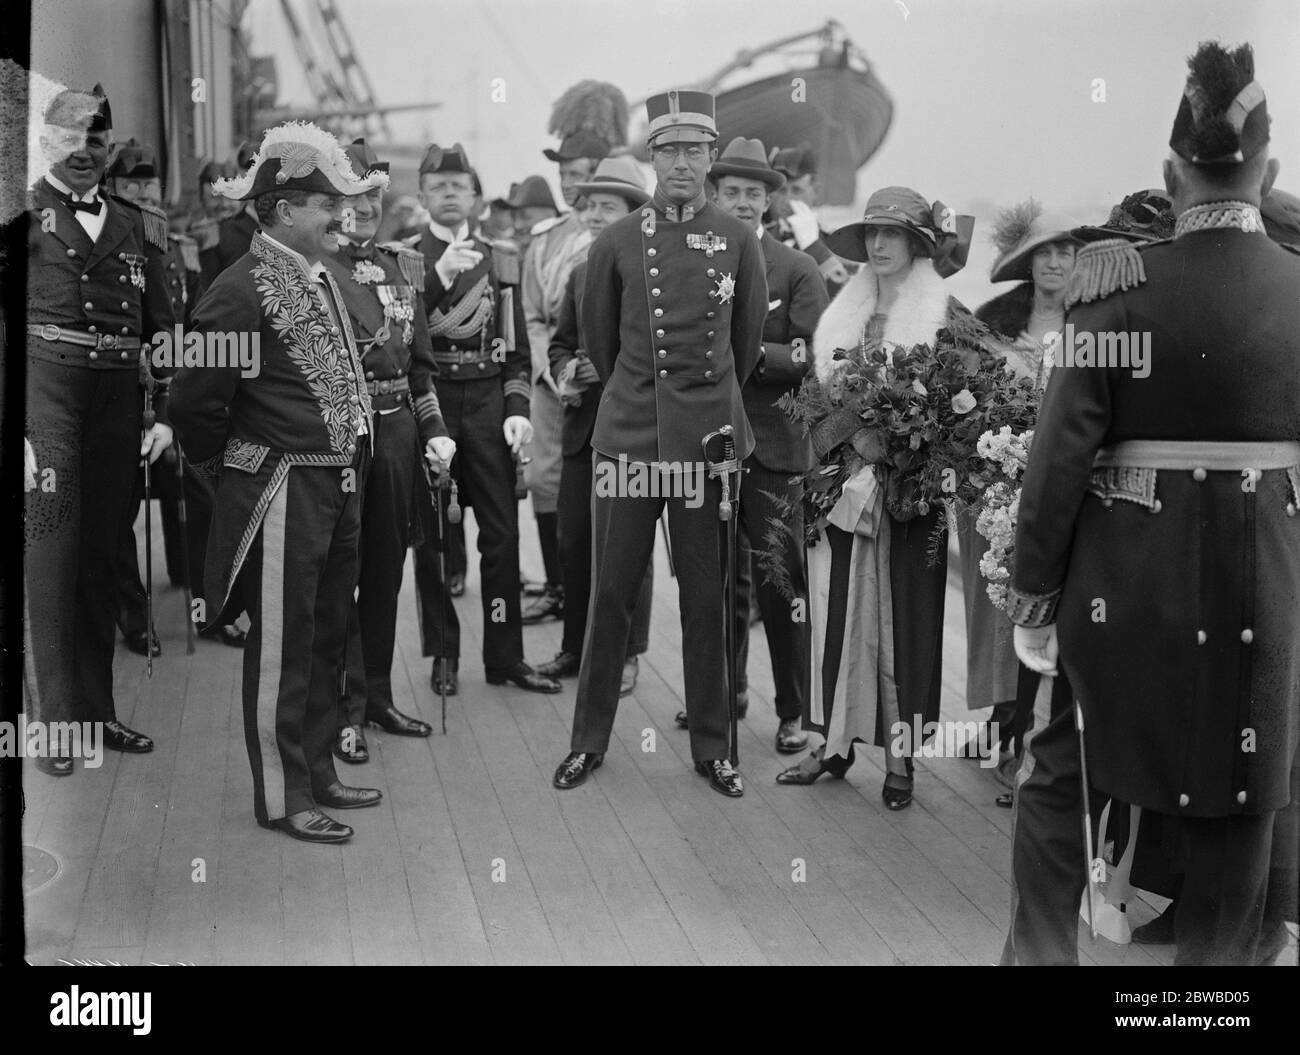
92,207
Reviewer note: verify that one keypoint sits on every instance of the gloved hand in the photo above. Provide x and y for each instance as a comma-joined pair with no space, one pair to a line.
1037,648
517,431
155,440
439,452
460,256
803,223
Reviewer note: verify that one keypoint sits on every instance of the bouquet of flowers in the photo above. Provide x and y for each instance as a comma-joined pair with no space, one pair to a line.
1006,454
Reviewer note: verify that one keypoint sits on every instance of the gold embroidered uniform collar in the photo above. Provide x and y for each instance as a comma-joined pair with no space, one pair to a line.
1219,215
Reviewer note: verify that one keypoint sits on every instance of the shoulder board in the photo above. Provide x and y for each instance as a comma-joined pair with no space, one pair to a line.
155,221
1102,268
409,261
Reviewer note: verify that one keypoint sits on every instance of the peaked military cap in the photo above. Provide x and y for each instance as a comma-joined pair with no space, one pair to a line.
682,115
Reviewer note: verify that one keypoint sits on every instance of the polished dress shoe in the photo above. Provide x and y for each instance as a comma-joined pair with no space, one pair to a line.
574,769
55,765
811,768
120,738
790,739
142,643
341,797
231,635
350,745
444,673
631,667
564,665
456,584
1159,931
391,720
742,709
311,826
524,676
722,776
549,606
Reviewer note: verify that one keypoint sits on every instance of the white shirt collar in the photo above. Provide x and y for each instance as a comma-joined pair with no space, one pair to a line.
760,230
447,234
64,189
314,270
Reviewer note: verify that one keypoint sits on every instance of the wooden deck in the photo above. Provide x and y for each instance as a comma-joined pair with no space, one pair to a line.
472,857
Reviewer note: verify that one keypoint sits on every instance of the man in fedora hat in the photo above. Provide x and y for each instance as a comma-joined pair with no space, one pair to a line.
383,289
616,189
97,292
477,328
290,433
673,309
796,299
1166,500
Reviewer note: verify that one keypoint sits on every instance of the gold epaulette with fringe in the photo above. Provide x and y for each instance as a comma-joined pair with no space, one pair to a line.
155,221
409,261
1101,268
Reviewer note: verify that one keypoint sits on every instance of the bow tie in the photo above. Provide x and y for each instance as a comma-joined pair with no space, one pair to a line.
93,207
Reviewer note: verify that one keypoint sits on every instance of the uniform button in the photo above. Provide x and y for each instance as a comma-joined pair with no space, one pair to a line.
88,305
709,314
123,355
1290,509
125,330
72,252
1201,637
1241,798
663,373
94,355
455,348
399,373
353,400
651,252
85,278
121,256
455,367
1108,502
663,353
654,271
708,354
351,376
711,272
125,305
708,374
658,312
370,375
1183,800
120,278
655,292
710,333
659,333
1198,474
1156,506
333,329
91,329
482,366
1247,636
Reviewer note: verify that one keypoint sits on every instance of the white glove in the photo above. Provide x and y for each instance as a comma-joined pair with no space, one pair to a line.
460,256
439,452
803,223
1037,648
517,431
834,271
155,441
30,468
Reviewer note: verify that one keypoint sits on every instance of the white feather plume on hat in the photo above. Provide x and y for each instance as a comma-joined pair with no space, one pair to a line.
302,148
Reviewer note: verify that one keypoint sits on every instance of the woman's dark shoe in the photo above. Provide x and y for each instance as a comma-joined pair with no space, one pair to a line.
898,795
231,635
141,642
811,768
445,673
456,584
1159,931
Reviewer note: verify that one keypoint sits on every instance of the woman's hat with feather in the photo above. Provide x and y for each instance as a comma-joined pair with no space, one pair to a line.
299,155
1021,230
591,121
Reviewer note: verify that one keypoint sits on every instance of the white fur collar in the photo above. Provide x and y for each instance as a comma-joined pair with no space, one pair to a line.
920,311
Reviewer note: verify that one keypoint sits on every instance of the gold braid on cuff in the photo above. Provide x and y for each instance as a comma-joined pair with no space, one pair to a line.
1032,609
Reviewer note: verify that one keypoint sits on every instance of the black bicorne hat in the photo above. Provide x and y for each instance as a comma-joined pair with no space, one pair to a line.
363,158
446,159
132,160
86,111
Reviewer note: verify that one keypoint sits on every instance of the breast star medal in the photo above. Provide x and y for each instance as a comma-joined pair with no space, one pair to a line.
726,289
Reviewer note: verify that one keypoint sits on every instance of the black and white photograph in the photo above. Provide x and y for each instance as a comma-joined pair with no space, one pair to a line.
588,482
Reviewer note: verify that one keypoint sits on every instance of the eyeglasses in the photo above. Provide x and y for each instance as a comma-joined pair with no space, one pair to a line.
696,152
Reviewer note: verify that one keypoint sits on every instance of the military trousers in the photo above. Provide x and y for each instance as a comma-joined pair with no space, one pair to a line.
84,426
387,505
297,586
623,536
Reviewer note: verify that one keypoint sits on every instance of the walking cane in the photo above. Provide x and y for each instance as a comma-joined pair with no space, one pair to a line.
726,514
1087,822
435,489
147,380
182,515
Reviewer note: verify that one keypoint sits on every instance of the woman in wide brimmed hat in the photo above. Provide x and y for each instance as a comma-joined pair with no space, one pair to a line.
875,599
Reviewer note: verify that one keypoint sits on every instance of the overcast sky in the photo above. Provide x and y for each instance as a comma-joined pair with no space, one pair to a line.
993,98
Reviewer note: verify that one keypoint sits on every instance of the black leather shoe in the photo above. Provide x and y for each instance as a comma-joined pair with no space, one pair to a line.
631,667
456,584
549,606
564,665
391,720
311,826
680,719
350,745
445,671
789,738
574,769
1159,931
742,709
231,635
524,676
341,797
722,776
118,737
141,643
55,765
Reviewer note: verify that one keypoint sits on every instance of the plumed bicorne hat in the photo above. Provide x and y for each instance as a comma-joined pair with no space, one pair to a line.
945,235
1021,230
299,155
132,160
591,120
84,111
1222,116
747,158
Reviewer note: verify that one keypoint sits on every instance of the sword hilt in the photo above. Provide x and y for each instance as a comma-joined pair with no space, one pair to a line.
453,505
729,464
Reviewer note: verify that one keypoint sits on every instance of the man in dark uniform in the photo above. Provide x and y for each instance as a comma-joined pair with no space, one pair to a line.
383,288
289,430
234,232
96,291
612,193
796,299
1158,529
673,310
793,222
481,348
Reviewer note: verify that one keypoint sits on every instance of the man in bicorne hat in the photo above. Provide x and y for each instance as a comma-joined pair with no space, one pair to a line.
796,299
673,311
291,436
383,288
479,343
96,293
1157,555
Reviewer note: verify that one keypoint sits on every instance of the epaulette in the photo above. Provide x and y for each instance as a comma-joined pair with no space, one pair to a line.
409,261
1101,268
155,221
189,251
